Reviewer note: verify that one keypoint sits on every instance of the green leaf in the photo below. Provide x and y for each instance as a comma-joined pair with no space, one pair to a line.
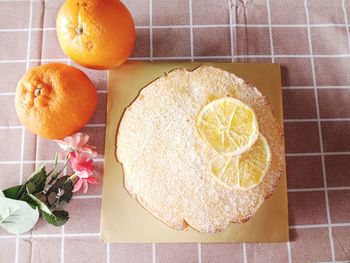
56,218
17,216
67,188
35,183
26,198
12,192
54,175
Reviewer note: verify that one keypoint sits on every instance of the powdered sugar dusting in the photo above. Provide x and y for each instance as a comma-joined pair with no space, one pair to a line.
166,163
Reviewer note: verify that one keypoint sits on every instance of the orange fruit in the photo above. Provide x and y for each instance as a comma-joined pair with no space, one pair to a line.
97,34
55,100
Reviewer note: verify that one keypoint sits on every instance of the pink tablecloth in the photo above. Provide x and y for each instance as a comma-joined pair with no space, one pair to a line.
309,38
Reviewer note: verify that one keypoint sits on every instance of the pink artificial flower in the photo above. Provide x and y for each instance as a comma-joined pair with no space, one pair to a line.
84,182
76,143
83,167
81,164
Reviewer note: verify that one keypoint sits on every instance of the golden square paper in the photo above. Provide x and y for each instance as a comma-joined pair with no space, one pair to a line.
125,220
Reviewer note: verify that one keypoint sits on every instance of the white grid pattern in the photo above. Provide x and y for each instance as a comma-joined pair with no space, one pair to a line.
346,22
345,25
232,19
154,253
232,27
317,154
108,253
199,252
23,129
318,226
191,29
289,252
150,30
245,260
345,55
270,31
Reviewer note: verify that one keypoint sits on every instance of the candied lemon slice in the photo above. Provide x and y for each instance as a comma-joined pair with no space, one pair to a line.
228,125
246,170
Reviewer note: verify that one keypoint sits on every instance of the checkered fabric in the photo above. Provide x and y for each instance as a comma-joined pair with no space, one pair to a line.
309,38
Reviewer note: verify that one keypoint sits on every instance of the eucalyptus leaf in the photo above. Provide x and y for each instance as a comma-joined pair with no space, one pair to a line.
17,216
12,191
56,218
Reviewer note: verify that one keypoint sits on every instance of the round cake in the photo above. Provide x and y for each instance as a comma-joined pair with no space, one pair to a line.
200,148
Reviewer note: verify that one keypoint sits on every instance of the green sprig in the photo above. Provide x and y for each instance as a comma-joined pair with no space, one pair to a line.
45,192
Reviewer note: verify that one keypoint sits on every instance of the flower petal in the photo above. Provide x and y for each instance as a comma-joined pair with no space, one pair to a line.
85,187
89,150
72,160
78,185
68,140
75,140
84,140
92,180
62,144
82,174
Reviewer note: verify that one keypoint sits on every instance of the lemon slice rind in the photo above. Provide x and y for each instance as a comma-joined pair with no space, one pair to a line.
225,118
225,164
